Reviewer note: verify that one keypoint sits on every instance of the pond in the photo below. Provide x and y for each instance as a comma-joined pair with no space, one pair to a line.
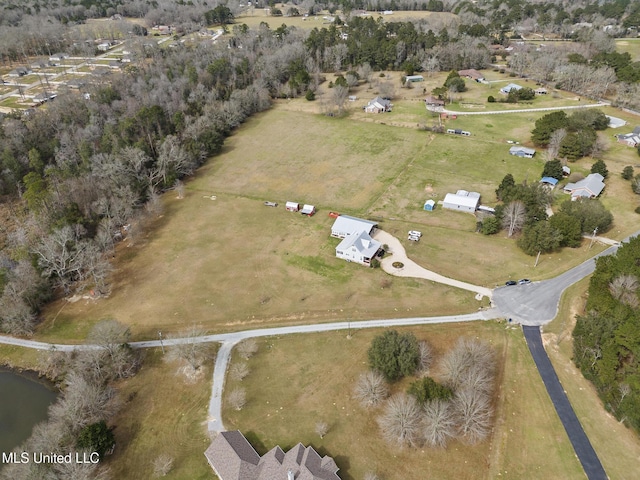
23,403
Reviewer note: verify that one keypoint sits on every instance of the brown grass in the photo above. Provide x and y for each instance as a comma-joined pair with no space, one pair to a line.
163,412
296,381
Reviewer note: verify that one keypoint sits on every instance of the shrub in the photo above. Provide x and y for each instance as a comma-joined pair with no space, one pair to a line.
310,96
627,172
637,210
491,99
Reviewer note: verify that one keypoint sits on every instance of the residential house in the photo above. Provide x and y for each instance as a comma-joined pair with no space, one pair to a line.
462,200
233,458
590,187
359,248
58,57
19,72
378,105
520,151
512,86
472,74
346,225
630,139
432,101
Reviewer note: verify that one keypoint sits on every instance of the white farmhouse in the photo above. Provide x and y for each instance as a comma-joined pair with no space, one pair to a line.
359,248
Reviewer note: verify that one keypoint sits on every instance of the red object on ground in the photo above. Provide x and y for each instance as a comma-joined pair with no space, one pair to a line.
334,214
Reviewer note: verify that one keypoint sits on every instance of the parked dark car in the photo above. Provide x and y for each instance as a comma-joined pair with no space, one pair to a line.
510,283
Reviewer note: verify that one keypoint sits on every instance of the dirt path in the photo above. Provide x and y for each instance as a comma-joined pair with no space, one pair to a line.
412,269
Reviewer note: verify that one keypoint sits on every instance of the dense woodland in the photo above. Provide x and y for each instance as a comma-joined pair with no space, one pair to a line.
606,340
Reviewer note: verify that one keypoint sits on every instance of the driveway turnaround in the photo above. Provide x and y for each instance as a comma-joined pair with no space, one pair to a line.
412,269
585,452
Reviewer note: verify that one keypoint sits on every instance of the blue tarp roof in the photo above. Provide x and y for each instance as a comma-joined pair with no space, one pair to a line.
549,180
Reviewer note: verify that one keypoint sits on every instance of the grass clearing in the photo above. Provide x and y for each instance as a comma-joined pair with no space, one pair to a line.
162,413
631,45
298,380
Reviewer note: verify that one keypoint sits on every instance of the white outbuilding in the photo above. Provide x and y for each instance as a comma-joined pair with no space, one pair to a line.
346,225
462,201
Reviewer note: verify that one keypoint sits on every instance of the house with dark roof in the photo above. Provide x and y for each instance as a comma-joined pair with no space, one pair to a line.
630,139
378,105
590,187
432,101
472,74
233,458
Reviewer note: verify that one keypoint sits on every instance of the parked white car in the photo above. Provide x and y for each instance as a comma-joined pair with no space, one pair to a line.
415,233
413,238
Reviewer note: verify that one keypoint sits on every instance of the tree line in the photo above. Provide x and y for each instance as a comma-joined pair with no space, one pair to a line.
606,337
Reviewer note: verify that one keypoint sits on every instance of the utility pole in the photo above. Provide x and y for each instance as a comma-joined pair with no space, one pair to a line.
161,345
593,237
537,258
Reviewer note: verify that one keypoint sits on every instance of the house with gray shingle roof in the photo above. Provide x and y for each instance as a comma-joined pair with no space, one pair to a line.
359,248
378,105
233,458
631,139
590,187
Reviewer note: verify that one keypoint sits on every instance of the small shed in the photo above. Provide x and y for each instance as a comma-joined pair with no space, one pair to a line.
615,122
429,205
549,181
540,91
308,210
292,206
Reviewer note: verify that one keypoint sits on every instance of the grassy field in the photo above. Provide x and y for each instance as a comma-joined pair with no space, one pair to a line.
253,17
163,412
281,266
631,45
296,381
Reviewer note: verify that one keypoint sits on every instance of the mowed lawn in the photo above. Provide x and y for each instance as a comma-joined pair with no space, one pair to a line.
296,381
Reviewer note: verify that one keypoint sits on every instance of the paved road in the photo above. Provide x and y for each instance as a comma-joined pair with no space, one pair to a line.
537,303
521,110
585,452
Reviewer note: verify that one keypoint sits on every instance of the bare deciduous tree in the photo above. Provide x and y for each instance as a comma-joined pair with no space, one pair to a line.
162,465
473,415
248,348
339,96
400,421
513,217
371,388
469,358
624,288
438,424
554,143
239,371
426,356
237,398
322,428
190,348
